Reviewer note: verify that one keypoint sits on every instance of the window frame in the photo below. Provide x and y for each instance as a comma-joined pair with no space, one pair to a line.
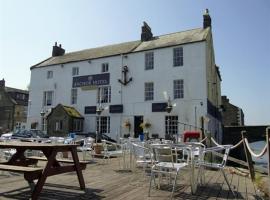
178,57
104,67
46,98
74,96
75,71
149,60
77,125
105,126
178,89
104,94
148,91
58,125
171,124
49,74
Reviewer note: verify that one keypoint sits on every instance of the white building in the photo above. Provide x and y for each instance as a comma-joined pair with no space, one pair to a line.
130,78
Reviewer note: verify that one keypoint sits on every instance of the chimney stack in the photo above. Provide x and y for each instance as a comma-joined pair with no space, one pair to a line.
2,83
58,50
146,32
206,19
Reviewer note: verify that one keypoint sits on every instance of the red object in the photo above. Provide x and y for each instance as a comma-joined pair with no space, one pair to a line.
189,135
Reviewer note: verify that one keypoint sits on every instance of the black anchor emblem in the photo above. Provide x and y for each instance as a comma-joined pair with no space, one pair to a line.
125,73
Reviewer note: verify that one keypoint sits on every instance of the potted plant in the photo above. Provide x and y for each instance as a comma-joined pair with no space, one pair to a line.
127,125
145,126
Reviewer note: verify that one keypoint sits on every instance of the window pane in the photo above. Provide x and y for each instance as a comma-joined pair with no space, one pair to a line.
148,91
178,89
104,94
74,94
149,60
49,74
75,71
178,56
103,124
105,67
171,125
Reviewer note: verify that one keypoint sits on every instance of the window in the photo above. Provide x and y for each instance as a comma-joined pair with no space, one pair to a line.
77,125
171,125
105,67
48,98
178,59
178,89
59,125
75,71
74,94
49,74
104,126
149,60
148,91
104,94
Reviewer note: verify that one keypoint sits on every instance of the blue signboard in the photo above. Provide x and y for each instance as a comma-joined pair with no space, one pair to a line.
90,80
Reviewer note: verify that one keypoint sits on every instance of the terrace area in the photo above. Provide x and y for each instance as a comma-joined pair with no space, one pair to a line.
104,180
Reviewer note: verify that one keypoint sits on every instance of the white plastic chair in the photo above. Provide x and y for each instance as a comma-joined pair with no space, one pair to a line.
165,163
87,148
215,165
116,151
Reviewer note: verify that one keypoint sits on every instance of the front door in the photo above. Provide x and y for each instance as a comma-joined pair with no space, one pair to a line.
137,129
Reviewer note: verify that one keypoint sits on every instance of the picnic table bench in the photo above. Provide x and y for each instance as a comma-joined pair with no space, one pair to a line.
19,163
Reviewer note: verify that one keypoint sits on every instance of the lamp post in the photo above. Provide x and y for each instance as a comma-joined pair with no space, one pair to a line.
98,111
42,113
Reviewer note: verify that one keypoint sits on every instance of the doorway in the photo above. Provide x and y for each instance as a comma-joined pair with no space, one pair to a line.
137,129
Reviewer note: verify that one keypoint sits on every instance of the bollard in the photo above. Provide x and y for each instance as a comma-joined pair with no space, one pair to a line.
248,157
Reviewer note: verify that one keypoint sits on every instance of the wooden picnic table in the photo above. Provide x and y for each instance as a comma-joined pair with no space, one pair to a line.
19,163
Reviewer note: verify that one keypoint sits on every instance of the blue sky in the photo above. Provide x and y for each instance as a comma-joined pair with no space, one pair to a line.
241,31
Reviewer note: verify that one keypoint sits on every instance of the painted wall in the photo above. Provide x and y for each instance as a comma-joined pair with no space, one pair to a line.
131,96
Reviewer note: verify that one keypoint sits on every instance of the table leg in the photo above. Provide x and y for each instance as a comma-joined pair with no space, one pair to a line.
44,175
77,167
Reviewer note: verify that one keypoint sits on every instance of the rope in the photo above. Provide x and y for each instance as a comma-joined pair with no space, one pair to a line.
233,147
254,154
203,139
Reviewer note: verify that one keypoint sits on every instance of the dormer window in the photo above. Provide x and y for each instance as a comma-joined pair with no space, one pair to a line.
105,67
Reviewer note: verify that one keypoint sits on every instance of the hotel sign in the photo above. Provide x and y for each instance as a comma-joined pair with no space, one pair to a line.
91,80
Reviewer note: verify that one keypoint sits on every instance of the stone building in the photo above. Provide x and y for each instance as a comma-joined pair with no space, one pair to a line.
13,108
63,120
231,115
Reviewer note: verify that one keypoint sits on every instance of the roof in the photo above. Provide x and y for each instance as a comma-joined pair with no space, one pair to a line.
72,112
9,89
173,39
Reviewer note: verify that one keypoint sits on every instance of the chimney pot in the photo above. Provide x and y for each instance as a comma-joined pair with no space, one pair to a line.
2,83
58,51
206,19
146,32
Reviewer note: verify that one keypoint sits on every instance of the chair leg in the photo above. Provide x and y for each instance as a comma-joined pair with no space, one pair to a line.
225,177
174,183
150,185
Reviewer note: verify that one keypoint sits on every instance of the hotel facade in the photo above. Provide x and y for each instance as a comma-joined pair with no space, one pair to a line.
117,87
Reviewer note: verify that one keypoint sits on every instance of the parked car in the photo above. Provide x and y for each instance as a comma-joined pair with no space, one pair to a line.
33,133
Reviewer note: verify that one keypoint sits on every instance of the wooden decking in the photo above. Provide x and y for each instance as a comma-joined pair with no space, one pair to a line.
105,181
